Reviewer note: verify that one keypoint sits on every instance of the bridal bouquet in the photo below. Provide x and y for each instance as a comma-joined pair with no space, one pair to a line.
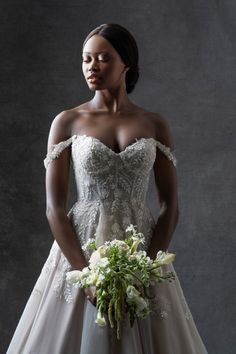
121,275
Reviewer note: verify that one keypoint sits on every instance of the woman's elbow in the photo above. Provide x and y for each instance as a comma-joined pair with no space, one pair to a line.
55,212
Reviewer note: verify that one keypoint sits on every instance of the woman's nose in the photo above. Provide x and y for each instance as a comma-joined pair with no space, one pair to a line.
93,65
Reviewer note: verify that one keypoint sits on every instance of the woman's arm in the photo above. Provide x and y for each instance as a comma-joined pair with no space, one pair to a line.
57,183
166,184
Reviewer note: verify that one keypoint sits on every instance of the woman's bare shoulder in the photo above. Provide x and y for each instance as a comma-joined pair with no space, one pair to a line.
162,128
62,123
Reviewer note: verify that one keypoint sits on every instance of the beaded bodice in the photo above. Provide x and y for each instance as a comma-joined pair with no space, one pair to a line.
111,186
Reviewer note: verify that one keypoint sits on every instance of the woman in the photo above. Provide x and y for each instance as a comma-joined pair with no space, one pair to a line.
114,144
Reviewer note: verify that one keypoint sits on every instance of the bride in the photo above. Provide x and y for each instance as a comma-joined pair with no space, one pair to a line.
113,145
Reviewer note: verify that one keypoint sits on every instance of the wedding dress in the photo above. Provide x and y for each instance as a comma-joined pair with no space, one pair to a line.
58,318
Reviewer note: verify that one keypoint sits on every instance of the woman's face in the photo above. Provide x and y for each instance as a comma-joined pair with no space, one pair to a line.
102,66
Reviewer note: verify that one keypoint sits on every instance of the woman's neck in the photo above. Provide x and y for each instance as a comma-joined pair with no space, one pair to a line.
113,102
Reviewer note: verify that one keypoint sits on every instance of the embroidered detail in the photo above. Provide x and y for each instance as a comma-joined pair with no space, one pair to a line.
112,189
58,148
56,151
167,151
187,312
160,307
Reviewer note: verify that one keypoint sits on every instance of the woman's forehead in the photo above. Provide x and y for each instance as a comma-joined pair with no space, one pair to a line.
97,44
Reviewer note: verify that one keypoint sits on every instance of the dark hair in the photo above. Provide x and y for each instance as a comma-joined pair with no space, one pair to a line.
124,43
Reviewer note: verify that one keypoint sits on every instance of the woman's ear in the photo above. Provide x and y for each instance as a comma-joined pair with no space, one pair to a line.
126,68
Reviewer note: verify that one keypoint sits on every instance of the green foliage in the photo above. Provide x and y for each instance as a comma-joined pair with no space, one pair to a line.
122,276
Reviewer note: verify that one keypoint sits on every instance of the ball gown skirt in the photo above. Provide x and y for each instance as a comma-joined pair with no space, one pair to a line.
58,318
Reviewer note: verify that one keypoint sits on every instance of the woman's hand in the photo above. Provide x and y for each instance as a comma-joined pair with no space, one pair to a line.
90,293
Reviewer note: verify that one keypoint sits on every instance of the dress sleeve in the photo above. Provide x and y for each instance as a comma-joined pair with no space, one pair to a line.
56,151
170,154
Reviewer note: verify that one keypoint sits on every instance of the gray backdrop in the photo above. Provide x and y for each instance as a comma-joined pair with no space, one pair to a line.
187,60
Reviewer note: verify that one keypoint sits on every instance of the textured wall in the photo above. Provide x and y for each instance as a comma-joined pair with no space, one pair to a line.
187,60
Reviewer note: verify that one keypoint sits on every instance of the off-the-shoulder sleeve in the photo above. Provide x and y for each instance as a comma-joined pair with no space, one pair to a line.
170,154
57,150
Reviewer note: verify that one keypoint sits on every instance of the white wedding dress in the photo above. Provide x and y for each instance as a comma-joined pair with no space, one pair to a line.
58,319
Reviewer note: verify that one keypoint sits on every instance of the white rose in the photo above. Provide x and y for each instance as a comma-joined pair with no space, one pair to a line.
74,276
95,257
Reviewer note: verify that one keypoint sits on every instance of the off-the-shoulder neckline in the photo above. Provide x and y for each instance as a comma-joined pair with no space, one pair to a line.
108,148
57,148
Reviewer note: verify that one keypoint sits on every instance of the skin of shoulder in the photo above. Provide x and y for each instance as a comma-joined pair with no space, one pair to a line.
162,130
164,171
61,126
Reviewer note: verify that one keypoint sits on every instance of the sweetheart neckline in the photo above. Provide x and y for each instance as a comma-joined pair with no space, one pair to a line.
108,148
59,147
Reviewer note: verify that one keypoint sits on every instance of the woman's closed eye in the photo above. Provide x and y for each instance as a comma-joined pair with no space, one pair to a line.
100,58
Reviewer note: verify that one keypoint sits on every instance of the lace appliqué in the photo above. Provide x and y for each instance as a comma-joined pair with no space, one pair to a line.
58,148
187,313
111,190
160,307
167,151
58,262
56,151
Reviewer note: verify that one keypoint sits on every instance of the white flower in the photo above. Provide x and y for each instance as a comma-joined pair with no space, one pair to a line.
102,250
157,272
130,228
102,262
164,258
73,276
136,242
141,237
92,278
118,243
132,292
141,304
95,257
100,279
132,257
134,297
140,254
100,320
85,271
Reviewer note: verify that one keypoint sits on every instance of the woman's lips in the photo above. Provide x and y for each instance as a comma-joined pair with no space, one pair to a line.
93,78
